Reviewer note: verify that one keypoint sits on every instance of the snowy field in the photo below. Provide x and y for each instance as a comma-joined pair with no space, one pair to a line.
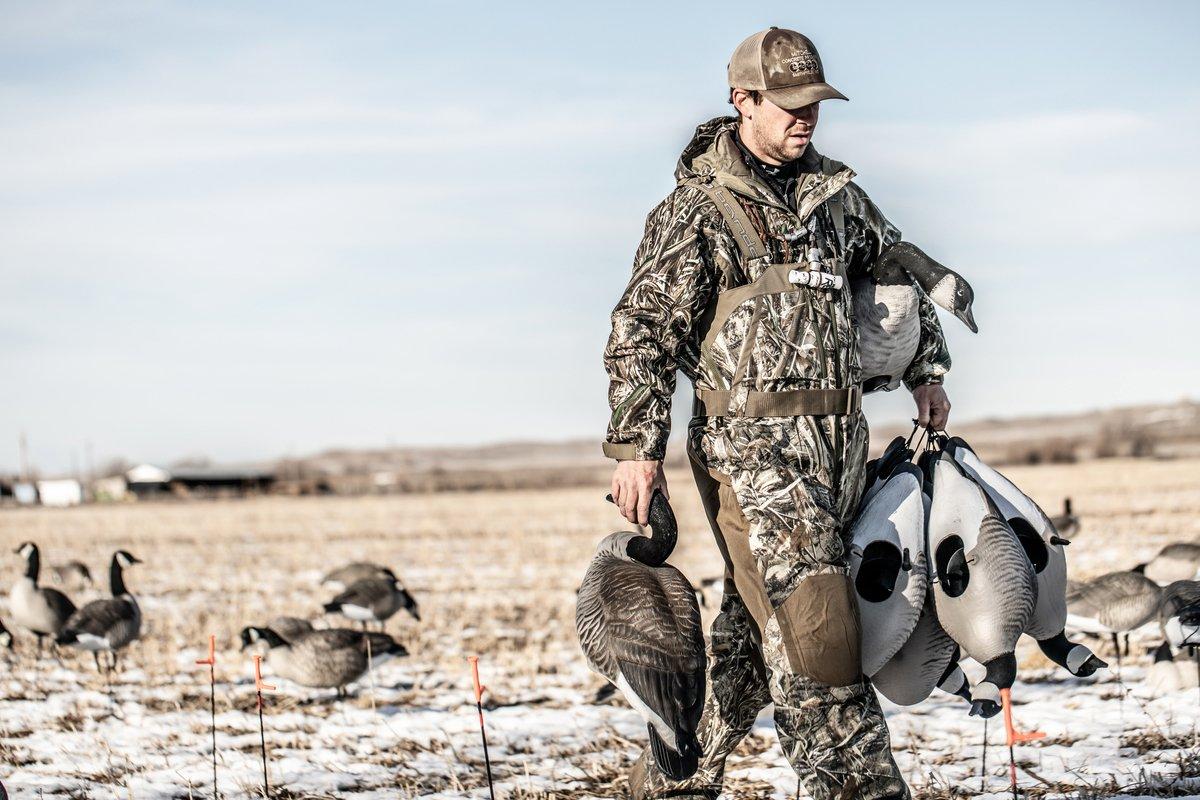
495,575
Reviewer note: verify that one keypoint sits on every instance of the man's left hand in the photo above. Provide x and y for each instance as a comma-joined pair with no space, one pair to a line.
933,406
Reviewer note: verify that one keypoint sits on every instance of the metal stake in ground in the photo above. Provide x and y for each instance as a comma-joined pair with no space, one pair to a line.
479,689
983,760
211,661
259,686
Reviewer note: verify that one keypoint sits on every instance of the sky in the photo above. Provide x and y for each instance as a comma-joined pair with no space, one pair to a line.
248,230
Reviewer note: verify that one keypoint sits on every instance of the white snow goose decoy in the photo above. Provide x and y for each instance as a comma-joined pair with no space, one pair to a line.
108,624
887,308
40,610
1045,550
639,627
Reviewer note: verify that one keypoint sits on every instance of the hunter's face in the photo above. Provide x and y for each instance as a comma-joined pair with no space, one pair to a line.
780,134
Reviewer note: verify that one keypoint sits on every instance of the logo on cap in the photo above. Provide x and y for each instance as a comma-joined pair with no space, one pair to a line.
802,64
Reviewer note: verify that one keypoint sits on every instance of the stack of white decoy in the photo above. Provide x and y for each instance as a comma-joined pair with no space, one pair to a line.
951,558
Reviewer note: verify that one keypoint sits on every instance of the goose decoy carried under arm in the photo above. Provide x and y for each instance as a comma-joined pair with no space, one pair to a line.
639,626
887,309
983,585
41,610
1046,552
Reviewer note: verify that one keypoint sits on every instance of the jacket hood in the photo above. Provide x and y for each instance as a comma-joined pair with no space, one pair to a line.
713,155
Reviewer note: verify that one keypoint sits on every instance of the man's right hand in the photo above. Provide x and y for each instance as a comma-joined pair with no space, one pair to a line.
633,484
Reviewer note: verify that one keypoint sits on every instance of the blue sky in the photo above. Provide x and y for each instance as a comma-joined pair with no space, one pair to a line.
249,230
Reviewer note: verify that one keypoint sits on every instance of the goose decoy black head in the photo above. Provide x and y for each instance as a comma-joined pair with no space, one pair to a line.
943,285
406,599
651,550
253,634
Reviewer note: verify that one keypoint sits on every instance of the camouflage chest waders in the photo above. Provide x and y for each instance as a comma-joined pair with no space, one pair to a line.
778,453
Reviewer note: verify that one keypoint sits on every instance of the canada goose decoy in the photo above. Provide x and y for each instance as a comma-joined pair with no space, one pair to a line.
1066,523
925,661
108,624
342,577
639,627
1168,675
1179,613
984,587
1116,603
324,659
887,565
887,309
41,611
373,600
74,575
1175,562
1045,549
290,628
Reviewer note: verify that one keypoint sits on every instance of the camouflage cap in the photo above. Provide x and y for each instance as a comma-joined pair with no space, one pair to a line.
784,66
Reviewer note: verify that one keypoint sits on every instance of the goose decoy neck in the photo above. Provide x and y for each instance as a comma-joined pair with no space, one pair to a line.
116,578
253,634
943,285
656,548
33,560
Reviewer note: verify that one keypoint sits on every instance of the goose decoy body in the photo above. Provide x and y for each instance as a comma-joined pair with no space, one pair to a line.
984,587
887,310
342,577
108,624
922,663
324,659
639,626
887,565
1116,603
373,600
73,575
1175,562
1179,613
1168,675
1044,548
40,610
290,627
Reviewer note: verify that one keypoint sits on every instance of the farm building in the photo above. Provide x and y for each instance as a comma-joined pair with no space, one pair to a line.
148,481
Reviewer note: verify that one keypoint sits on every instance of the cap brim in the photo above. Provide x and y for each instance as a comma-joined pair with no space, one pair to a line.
804,95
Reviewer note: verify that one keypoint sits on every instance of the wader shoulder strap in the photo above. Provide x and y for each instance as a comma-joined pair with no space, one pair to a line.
748,240
838,213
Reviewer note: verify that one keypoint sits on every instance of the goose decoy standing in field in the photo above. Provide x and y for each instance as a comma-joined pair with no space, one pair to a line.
342,577
324,659
41,611
887,308
1066,523
1175,562
1116,603
1045,549
73,575
1179,613
887,565
639,627
984,587
110,623
373,600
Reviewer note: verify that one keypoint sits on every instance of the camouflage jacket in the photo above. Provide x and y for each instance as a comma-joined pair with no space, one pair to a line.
688,255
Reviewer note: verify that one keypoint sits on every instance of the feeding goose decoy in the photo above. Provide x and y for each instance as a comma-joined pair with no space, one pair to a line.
639,627
109,624
984,587
73,575
1175,562
1168,675
1116,603
373,600
887,565
290,628
1044,548
887,308
342,577
324,659
40,610
1179,613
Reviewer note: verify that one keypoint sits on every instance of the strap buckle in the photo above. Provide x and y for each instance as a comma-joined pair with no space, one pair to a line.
853,399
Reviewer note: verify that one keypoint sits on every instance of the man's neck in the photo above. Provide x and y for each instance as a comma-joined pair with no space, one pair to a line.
748,144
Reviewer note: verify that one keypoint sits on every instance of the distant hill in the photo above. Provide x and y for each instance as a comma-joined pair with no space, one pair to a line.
1163,431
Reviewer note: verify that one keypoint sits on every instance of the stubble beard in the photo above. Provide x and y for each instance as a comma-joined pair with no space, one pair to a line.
776,149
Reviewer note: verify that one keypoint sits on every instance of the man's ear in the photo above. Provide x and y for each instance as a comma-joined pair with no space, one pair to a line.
742,102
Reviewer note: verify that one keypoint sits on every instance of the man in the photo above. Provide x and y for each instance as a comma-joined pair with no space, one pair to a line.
741,282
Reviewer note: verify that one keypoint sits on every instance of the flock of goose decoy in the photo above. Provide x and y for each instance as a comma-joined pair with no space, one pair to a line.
949,559
323,658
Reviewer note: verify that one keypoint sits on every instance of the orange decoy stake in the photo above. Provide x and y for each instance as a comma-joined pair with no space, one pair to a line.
479,690
211,661
1014,737
259,686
